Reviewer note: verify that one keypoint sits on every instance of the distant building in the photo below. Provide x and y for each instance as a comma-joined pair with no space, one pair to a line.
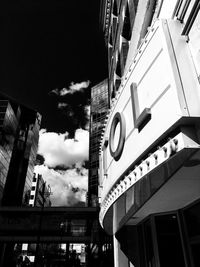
99,109
39,197
150,148
40,192
19,134
102,252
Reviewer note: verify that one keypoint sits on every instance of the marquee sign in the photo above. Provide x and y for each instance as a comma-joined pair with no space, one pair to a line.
154,96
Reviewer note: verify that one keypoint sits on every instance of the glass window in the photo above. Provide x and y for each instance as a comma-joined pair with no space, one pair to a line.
194,43
149,251
169,241
192,218
78,227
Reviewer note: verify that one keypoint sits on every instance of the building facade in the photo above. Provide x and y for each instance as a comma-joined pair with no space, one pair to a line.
19,134
99,109
39,197
40,192
7,137
149,153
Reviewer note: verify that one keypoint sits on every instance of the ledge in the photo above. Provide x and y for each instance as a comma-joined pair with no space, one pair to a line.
147,178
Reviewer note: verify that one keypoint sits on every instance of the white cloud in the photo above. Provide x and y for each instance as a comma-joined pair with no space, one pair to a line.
55,91
68,187
79,86
64,91
59,150
74,87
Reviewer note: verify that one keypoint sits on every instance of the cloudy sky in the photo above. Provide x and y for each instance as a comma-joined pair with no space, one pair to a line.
65,154
64,165
52,53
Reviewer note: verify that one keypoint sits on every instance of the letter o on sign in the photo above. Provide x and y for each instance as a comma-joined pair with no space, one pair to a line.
116,150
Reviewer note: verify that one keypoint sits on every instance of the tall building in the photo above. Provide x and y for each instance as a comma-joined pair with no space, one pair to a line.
99,109
102,252
39,197
150,150
19,134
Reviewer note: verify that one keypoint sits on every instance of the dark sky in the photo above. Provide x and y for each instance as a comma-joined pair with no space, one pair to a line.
46,45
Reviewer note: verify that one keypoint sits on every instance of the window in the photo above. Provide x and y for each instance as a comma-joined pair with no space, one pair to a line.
105,157
194,43
115,8
114,29
169,240
192,220
126,31
183,9
124,51
119,69
191,17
